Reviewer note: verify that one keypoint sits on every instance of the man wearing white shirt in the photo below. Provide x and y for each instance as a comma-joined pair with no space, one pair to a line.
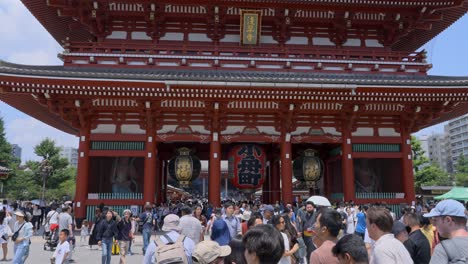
387,249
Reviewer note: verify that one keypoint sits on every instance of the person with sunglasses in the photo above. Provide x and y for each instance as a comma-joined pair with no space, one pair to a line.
449,217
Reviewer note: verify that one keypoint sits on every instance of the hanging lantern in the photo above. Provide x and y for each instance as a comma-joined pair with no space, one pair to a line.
4,173
247,167
185,167
308,168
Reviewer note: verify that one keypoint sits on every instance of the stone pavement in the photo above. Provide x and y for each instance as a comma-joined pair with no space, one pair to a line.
82,253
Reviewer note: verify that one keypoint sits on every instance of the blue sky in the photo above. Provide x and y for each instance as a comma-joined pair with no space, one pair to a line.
25,41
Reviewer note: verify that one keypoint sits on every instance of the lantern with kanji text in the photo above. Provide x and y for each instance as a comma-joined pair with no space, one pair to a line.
247,167
308,168
185,167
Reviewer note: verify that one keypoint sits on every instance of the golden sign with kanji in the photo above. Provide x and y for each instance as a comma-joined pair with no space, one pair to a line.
250,27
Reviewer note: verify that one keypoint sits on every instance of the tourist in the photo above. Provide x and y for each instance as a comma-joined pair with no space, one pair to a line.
95,228
429,231
326,230
24,231
307,221
279,223
209,252
232,221
350,249
148,221
132,234
361,222
125,234
36,215
220,232
244,219
5,232
62,250
84,231
190,226
350,226
268,212
263,245
450,219
256,218
198,214
172,234
387,249
107,232
66,222
237,251
400,232
52,219
420,250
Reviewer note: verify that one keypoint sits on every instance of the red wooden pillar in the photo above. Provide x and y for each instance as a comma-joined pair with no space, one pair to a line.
328,181
275,181
347,165
149,184
286,170
266,190
158,181
407,166
214,178
164,182
82,174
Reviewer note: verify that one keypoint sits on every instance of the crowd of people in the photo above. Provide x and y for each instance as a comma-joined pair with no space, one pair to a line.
251,232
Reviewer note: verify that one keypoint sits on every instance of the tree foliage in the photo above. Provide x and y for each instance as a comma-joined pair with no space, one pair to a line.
431,175
47,149
61,180
6,157
419,155
462,171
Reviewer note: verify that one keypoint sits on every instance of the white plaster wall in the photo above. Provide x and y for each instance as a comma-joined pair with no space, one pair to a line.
363,132
388,132
104,129
139,35
117,35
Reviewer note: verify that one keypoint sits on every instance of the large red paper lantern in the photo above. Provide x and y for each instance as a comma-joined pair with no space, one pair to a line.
247,167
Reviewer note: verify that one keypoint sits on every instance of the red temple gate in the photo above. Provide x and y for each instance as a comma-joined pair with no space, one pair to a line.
145,78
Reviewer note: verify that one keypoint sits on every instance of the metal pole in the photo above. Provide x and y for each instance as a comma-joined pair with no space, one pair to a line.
226,186
43,186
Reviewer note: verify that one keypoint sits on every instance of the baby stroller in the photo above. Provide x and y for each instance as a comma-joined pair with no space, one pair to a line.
51,237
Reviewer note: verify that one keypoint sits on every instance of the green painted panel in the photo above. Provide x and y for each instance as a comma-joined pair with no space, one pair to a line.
376,148
117,145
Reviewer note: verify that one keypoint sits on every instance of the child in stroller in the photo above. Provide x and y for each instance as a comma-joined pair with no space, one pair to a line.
51,236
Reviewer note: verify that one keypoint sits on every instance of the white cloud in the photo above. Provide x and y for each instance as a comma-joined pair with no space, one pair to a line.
24,39
34,57
28,132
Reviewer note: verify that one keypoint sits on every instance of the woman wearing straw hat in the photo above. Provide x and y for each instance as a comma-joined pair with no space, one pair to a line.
23,231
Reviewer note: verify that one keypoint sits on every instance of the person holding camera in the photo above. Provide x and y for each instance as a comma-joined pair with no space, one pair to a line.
23,231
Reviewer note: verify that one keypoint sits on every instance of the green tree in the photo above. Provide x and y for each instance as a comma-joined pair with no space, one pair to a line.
431,174
47,149
461,176
419,158
6,158
21,185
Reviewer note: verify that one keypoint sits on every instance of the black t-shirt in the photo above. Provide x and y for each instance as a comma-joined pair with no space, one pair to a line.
418,247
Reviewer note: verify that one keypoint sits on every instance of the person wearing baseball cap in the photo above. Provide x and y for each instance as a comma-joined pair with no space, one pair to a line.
171,234
210,252
450,219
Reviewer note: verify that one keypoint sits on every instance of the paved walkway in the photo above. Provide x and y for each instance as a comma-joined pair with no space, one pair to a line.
82,253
